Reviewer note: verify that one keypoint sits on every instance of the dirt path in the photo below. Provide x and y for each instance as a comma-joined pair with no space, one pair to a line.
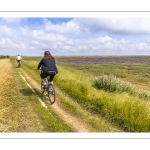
71,120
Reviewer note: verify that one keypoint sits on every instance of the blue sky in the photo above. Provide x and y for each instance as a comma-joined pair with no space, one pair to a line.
75,36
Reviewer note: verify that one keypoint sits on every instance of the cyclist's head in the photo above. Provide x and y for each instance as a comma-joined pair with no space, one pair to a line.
46,53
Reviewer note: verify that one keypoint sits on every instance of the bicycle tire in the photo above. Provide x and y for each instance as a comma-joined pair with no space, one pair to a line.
19,64
51,93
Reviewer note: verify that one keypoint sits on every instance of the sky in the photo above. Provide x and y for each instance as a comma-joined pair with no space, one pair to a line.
79,36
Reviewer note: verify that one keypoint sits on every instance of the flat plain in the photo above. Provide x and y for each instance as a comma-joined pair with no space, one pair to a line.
80,105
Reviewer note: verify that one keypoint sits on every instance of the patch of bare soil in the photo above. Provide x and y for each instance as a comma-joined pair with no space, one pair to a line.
71,120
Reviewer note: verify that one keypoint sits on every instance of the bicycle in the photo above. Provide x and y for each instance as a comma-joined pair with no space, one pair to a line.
19,63
49,88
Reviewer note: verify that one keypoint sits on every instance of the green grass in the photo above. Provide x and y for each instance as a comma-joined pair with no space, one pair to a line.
112,84
110,105
116,108
138,74
4,56
30,115
96,123
128,112
97,69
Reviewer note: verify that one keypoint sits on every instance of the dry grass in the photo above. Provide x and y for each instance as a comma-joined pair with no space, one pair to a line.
6,80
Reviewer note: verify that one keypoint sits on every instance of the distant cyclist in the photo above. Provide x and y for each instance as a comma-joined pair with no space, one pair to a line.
18,59
47,65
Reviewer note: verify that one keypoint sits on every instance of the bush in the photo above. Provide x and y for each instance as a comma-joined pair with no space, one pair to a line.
2,56
112,84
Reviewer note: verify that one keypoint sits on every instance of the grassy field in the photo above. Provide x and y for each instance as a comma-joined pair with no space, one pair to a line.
127,111
94,94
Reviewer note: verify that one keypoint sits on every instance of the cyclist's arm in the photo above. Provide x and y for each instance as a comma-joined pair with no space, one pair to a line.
39,66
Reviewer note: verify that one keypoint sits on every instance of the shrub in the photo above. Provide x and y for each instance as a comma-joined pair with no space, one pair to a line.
112,84
3,56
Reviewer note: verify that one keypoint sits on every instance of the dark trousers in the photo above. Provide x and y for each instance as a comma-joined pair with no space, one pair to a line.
44,75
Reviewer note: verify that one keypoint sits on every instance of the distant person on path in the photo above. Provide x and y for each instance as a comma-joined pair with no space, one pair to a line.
18,59
47,64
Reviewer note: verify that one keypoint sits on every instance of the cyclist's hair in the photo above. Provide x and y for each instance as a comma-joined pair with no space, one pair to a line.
48,56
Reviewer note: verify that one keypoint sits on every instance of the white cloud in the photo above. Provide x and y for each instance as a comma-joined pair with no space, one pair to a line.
13,20
9,44
4,30
63,28
115,25
78,36
80,26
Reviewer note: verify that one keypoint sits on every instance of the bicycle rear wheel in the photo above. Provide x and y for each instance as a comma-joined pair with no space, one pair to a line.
51,93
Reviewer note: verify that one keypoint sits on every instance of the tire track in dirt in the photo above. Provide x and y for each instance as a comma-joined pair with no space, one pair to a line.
71,120
42,103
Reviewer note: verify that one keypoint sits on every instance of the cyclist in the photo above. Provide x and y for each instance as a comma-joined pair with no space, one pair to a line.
47,64
18,59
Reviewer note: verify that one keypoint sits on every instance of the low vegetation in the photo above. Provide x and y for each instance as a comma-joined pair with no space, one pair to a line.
128,112
4,56
123,109
108,95
112,84
69,104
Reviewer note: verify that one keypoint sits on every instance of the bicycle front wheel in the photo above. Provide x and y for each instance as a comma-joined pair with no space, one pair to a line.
51,93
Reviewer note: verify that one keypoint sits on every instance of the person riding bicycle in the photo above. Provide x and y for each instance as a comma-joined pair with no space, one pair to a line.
48,67
18,59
